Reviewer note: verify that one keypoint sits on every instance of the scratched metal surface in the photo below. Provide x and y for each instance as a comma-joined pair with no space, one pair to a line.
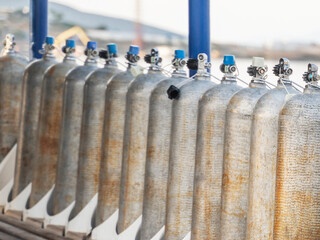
67,164
236,161
112,146
91,137
157,162
134,147
297,214
45,161
182,158
30,108
209,160
263,161
12,68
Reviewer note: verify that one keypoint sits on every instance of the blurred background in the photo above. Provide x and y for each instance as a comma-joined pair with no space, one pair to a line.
246,28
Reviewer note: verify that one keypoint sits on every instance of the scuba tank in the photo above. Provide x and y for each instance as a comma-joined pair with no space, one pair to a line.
182,148
135,142
297,199
112,140
237,154
263,158
49,125
209,154
91,130
158,147
66,174
30,108
12,68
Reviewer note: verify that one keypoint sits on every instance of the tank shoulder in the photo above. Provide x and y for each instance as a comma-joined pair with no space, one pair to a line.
272,101
165,84
302,101
80,73
60,69
245,99
39,66
145,81
197,85
16,59
194,89
122,76
221,91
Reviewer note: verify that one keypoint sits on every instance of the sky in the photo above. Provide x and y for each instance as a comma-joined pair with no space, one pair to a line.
248,22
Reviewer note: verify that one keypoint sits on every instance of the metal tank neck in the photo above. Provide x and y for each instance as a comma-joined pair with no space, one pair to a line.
69,49
229,68
283,71
258,71
200,64
178,63
91,53
9,44
133,56
154,60
311,77
69,55
47,51
110,58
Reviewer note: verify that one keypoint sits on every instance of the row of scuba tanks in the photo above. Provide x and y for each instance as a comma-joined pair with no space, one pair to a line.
178,157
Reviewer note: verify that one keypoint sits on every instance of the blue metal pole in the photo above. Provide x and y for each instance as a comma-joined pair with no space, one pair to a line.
199,28
39,26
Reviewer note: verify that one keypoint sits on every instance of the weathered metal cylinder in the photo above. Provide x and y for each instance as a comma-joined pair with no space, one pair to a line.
46,154
236,157
29,115
135,142
112,141
12,68
297,214
183,151
209,155
158,148
91,134
67,164
263,157
30,108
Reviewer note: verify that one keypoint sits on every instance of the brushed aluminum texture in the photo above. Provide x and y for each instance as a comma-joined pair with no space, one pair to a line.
135,145
297,199
12,67
157,161
91,135
236,160
67,164
30,108
263,160
49,125
183,151
112,145
209,159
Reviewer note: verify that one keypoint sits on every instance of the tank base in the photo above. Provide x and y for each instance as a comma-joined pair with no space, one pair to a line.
14,214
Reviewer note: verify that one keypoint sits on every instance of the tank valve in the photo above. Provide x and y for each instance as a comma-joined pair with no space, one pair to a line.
201,64
91,50
312,74
228,67
132,55
9,42
153,57
47,46
258,69
178,61
283,69
70,46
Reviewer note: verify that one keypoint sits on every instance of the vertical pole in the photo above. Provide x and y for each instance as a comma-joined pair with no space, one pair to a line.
199,28
39,26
